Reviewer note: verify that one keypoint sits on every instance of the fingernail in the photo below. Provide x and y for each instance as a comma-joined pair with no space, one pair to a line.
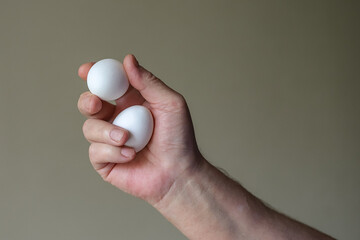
116,135
127,152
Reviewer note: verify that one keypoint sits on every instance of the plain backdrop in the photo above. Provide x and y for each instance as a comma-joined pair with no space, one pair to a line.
273,89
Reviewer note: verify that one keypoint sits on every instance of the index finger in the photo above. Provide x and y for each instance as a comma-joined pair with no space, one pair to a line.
84,70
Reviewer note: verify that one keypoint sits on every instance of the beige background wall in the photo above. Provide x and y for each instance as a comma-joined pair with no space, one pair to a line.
273,87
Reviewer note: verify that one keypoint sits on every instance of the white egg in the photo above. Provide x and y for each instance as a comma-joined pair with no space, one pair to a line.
107,79
139,122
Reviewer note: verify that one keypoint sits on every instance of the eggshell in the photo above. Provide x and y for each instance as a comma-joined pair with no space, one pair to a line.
139,122
107,79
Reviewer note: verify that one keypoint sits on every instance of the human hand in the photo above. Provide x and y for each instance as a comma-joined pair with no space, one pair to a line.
172,150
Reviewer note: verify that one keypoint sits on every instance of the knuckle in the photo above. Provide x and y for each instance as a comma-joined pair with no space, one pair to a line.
177,101
93,151
152,79
86,126
80,102
106,133
149,76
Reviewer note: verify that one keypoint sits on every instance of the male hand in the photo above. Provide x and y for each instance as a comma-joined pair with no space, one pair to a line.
172,150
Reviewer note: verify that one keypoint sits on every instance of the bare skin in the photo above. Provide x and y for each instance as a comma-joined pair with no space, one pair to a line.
170,173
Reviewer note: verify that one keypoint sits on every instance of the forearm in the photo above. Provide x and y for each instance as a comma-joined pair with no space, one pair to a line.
206,204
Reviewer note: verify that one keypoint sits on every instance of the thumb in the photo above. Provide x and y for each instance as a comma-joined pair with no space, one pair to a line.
150,87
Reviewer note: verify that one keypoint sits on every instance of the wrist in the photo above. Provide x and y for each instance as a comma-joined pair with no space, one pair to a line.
183,181
198,206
